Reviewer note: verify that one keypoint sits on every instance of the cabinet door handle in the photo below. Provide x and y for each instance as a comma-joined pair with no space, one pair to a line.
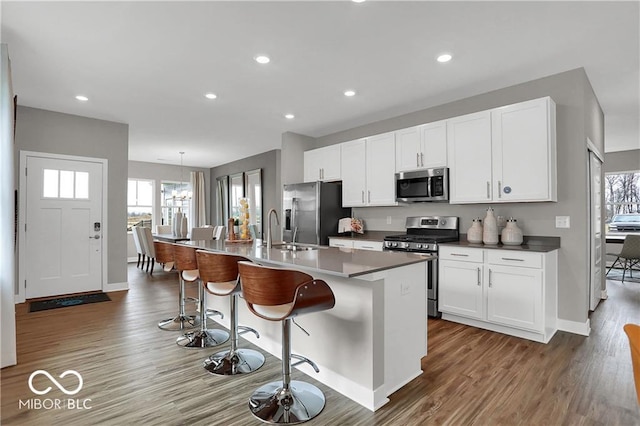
319,174
421,159
367,247
499,189
513,259
459,254
478,276
488,190
363,197
489,277
417,159
369,197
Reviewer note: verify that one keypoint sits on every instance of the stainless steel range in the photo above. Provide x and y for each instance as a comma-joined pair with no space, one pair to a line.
424,233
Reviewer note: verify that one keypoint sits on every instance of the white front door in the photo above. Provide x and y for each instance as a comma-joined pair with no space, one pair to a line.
595,223
63,227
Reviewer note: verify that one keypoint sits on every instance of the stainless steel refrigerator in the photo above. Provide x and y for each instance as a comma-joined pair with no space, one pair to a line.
311,211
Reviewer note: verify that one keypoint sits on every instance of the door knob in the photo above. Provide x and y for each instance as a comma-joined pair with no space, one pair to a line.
95,237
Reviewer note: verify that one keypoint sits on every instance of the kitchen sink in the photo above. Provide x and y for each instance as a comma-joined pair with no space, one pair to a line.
296,247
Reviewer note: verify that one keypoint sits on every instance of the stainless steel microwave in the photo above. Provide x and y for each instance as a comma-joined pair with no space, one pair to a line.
423,185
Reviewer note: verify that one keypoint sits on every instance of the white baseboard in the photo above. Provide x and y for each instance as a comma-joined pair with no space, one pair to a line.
604,295
583,329
115,287
132,259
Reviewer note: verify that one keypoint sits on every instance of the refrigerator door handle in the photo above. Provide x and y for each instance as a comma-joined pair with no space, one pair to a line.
294,211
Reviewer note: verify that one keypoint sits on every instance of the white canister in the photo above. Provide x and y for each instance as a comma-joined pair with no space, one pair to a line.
474,234
490,229
511,234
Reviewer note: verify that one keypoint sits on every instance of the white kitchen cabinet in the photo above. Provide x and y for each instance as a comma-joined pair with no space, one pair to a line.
506,154
356,244
508,291
461,290
322,164
514,297
469,158
421,147
524,151
368,171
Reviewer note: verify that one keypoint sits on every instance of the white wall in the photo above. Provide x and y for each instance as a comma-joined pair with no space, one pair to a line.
7,202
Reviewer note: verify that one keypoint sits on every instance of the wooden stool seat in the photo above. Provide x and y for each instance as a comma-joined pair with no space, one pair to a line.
276,294
165,256
219,274
187,263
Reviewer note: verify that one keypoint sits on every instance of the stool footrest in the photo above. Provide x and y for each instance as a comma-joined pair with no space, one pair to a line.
203,339
273,404
242,330
301,359
214,312
227,363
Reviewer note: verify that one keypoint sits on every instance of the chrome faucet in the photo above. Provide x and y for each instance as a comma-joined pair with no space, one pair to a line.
269,240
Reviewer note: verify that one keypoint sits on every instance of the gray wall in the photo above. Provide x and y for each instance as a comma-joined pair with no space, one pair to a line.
578,115
57,133
622,161
269,162
293,147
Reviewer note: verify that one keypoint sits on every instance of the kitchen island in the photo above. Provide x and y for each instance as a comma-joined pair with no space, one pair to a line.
371,343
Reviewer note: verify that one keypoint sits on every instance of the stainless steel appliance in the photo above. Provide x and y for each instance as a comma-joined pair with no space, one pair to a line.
424,233
311,211
423,185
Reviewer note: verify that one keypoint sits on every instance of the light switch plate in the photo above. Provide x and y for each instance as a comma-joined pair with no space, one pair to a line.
563,222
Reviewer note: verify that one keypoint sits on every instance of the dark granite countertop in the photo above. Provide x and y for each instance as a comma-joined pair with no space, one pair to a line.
530,243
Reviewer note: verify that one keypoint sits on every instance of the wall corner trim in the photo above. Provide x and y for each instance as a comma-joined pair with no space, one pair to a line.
581,328
115,287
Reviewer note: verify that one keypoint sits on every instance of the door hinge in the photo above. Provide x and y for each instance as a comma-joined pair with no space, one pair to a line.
25,227
25,171
25,283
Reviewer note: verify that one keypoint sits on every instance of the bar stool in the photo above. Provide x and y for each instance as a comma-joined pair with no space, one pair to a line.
280,295
187,263
219,275
164,256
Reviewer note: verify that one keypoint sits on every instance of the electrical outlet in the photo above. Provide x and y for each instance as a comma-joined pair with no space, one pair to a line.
404,288
388,220
563,222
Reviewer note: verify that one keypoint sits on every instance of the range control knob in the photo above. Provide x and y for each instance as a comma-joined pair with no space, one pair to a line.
419,246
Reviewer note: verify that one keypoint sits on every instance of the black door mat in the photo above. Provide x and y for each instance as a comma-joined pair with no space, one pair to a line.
64,302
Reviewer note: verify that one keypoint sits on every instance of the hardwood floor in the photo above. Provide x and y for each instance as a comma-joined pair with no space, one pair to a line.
134,373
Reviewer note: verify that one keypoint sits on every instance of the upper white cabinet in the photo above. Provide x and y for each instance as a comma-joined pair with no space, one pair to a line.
368,171
469,151
506,154
322,164
421,147
524,151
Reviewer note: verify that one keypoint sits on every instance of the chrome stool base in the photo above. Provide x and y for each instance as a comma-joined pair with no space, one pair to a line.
243,361
272,404
181,322
203,338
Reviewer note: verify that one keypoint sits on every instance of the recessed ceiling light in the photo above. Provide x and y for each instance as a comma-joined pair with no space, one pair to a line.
445,57
82,98
289,116
358,1
210,96
262,59
349,93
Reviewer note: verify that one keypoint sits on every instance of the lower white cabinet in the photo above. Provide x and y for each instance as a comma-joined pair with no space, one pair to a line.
508,291
356,244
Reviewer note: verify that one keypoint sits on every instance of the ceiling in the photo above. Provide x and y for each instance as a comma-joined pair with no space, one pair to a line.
149,64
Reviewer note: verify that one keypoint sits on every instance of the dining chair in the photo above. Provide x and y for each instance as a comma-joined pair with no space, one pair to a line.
163,229
149,248
630,254
203,233
633,333
218,232
135,232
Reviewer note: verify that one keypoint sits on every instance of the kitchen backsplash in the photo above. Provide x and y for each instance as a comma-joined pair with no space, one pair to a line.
533,218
